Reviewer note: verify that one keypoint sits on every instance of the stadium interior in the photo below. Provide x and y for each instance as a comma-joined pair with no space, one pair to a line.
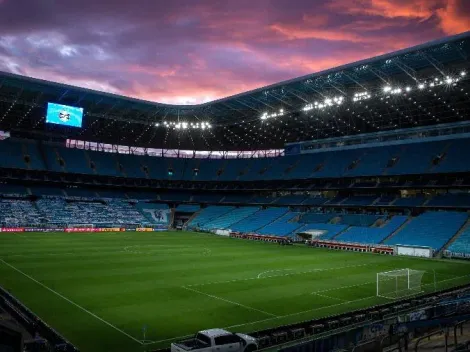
374,154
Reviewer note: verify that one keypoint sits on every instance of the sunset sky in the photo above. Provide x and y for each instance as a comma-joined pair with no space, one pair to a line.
188,51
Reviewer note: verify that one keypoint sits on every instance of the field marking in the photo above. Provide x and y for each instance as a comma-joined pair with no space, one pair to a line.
71,302
270,276
329,297
342,287
271,271
228,301
272,318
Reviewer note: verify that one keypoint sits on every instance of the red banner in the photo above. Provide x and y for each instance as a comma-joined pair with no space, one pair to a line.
12,229
82,229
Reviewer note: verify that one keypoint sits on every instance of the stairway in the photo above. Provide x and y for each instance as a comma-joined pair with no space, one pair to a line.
397,230
185,225
339,233
89,161
453,238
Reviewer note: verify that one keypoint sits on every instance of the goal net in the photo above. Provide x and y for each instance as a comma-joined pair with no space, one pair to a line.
399,283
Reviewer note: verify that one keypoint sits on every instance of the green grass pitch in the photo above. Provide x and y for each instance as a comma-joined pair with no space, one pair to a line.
99,290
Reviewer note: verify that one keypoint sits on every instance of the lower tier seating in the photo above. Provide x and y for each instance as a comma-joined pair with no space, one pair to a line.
371,235
259,219
461,243
431,229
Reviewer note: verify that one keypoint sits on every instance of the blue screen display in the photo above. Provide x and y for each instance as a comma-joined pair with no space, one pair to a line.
64,115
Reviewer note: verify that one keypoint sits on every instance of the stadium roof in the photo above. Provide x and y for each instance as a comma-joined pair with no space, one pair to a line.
390,91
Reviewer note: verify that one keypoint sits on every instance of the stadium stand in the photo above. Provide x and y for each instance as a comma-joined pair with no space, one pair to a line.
188,208
258,220
330,230
371,235
284,226
431,229
14,213
208,214
461,243
227,220
450,200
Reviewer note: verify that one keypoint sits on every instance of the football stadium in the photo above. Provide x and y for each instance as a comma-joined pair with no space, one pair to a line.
330,211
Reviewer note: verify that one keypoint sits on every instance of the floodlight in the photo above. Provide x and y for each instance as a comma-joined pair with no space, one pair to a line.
463,73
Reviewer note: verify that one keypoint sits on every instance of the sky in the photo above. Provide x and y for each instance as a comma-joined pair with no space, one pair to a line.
194,51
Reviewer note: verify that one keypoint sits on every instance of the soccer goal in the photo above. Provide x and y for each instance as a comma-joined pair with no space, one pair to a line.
399,283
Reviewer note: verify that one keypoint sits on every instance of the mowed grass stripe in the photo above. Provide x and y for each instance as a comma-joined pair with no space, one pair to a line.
131,290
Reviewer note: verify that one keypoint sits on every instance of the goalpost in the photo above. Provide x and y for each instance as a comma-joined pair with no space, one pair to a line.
399,283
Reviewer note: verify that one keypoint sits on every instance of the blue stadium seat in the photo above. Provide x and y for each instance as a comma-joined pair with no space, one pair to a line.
371,235
431,229
258,220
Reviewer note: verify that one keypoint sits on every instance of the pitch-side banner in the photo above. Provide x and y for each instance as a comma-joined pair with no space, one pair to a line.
159,216
12,229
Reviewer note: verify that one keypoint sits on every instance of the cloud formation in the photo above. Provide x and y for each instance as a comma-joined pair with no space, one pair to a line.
187,52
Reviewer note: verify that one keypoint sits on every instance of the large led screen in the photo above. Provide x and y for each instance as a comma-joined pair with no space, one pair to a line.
64,115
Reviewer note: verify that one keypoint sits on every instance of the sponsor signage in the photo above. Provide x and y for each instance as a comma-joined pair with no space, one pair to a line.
12,229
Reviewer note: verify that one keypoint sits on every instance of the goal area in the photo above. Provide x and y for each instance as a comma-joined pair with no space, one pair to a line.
399,283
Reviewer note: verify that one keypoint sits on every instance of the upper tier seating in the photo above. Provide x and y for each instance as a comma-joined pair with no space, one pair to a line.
385,200
371,235
359,219
232,217
408,158
316,217
314,201
292,199
258,220
236,198
207,198
359,200
410,201
432,229
13,189
188,208
450,200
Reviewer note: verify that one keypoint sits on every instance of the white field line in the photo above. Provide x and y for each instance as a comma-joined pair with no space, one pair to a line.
228,301
271,271
270,276
273,318
306,311
71,302
329,297
343,287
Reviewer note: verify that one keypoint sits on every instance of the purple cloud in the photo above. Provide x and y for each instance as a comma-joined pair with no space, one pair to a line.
189,52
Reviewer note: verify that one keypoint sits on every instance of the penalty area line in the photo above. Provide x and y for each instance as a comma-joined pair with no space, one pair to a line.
228,301
71,302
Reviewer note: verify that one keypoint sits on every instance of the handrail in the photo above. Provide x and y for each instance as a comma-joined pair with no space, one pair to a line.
428,336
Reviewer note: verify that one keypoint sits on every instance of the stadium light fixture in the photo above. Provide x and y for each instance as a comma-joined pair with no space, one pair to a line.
266,115
421,86
463,73
387,89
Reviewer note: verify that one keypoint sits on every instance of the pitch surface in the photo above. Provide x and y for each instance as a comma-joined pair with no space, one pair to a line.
138,291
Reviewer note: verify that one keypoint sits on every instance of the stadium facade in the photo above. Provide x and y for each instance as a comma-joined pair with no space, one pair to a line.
366,157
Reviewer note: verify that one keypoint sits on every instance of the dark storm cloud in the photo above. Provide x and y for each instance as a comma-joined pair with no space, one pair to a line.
188,52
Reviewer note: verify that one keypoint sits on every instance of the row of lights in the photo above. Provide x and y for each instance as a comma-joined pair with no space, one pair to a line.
266,116
185,125
388,90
